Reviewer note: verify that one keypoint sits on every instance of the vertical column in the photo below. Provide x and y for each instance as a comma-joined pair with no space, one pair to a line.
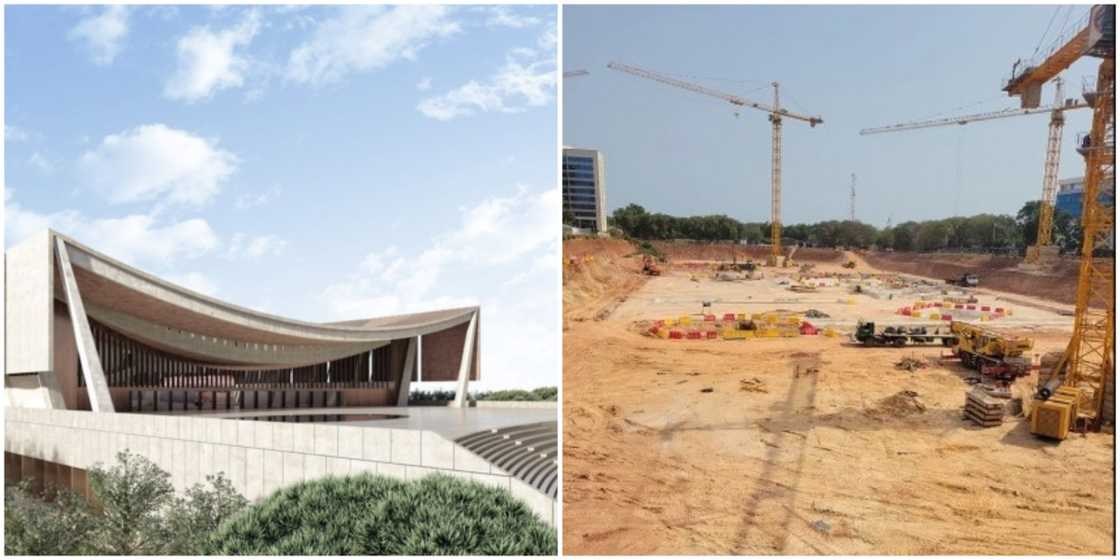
465,364
96,386
406,372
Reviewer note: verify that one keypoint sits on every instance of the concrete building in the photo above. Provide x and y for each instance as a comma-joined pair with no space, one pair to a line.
585,189
102,357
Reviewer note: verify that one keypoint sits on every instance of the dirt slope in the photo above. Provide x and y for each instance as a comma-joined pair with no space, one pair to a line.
598,274
681,250
1058,284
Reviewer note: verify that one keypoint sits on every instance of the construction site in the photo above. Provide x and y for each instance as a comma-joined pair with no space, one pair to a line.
733,398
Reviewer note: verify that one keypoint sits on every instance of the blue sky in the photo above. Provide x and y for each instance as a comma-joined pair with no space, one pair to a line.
323,163
682,153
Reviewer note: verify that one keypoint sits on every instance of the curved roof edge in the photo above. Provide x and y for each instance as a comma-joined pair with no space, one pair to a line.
377,328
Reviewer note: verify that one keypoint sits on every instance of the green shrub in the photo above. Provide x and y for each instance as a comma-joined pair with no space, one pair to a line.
59,523
369,514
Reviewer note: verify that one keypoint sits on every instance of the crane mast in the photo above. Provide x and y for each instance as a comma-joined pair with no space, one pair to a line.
1049,180
1087,364
776,115
775,181
852,205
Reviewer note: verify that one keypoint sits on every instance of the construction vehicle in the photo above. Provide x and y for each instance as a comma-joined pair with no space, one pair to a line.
965,281
993,354
776,114
850,264
1074,397
867,334
649,266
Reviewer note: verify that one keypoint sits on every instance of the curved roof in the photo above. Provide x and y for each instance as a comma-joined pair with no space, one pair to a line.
176,318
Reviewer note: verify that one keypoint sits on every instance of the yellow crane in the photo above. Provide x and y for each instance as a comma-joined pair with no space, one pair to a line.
1086,370
776,114
1053,153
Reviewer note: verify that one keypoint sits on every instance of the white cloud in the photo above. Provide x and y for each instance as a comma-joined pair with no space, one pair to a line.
364,38
424,84
242,245
495,234
503,16
41,162
527,79
15,134
135,238
103,33
196,281
208,61
156,161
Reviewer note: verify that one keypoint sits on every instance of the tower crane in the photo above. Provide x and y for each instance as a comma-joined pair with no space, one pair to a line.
776,114
1074,396
1053,153
852,206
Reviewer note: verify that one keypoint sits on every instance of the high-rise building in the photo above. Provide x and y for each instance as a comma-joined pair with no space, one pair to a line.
585,189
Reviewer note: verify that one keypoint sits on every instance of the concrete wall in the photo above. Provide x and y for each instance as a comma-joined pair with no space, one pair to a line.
29,304
258,457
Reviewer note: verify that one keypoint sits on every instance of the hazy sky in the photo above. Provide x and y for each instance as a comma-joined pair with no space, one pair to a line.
320,163
679,152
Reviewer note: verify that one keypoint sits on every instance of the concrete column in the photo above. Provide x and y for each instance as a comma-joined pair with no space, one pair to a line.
96,385
461,390
406,372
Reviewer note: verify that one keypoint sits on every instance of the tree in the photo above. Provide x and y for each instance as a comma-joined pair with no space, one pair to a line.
61,524
369,514
132,494
200,512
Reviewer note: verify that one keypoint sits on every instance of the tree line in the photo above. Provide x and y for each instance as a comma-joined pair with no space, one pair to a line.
991,233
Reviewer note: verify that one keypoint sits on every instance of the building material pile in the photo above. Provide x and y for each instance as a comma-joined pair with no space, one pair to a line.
984,409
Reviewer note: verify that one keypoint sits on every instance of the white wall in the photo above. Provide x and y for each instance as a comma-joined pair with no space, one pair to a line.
29,305
258,457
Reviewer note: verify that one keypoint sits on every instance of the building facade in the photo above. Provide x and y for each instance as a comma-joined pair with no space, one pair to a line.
585,189
102,357
1068,199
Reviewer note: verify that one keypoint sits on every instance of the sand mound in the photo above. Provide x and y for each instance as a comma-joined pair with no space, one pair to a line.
899,405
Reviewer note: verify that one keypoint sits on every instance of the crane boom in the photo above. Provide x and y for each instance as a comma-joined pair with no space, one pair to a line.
776,114
1069,105
1050,167
733,99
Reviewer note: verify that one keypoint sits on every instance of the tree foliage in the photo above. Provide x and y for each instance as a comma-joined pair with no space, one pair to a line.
57,524
134,511
982,232
368,515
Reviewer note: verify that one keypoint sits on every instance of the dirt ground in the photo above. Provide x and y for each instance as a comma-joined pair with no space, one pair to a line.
806,445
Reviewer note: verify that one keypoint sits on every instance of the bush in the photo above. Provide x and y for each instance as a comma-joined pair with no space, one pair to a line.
438,395
61,524
368,514
135,511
